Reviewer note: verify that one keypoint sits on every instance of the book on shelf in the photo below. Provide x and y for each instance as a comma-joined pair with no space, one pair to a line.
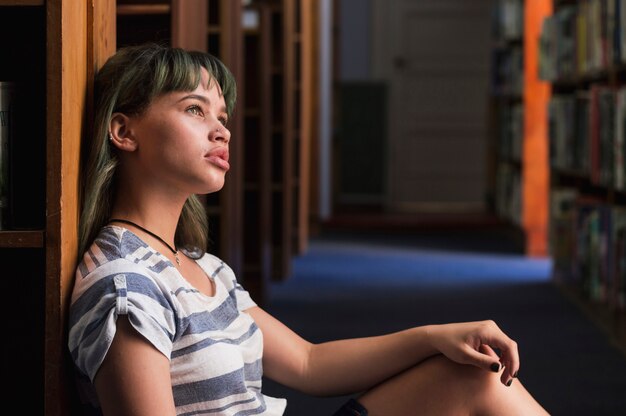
586,132
508,72
562,131
510,133
617,290
620,142
562,232
569,132
606,136
508,195
594,133
583,38
580,157
7,91
591,253
588,246
508,20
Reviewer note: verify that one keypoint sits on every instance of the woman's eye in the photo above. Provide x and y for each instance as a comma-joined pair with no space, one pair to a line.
223,120
196,110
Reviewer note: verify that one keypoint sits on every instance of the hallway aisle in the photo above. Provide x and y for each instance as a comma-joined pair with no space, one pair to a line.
359,287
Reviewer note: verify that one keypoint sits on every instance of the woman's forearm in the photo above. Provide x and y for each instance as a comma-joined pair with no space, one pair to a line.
352,365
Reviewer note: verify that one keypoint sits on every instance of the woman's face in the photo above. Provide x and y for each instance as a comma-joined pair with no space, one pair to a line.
182,139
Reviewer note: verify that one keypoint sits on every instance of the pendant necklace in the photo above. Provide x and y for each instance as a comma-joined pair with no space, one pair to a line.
172,249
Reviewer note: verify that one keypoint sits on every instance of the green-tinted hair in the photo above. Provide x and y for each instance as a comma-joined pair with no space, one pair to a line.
128,83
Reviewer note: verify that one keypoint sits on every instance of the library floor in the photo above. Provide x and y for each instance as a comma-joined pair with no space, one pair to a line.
357,285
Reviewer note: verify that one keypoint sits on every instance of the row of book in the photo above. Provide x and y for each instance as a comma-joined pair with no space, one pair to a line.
588,246
582,38
6,118
586,133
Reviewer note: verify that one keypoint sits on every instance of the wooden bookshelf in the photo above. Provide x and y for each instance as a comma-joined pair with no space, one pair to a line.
507,110
280,109
62,43
22,239
290,144
588,189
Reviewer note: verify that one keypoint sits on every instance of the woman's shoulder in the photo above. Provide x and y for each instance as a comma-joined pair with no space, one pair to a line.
217,268
114,246
212,264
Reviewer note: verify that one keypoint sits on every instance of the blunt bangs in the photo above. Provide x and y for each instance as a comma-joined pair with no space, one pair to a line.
160,70
180,70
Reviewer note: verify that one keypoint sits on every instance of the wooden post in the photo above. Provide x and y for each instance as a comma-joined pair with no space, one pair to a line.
535,163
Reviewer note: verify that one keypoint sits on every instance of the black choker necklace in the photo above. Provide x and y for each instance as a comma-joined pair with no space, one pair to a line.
172,249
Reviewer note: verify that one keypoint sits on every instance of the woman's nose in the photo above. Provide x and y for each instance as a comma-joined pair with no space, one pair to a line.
220,134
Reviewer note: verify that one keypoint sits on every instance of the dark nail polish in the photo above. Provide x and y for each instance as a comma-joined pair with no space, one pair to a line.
495,367
508,383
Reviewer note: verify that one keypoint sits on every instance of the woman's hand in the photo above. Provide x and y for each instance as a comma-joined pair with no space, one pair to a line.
474,343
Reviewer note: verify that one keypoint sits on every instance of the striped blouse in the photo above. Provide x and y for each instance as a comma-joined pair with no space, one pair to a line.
214,347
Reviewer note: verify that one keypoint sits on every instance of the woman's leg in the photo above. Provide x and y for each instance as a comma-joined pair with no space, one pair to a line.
439,386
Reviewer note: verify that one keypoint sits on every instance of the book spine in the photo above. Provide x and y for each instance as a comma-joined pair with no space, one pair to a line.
6,126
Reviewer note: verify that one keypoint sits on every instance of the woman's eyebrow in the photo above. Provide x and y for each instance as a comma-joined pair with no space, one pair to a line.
196,97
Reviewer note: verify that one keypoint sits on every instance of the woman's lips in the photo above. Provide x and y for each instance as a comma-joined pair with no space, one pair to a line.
219,157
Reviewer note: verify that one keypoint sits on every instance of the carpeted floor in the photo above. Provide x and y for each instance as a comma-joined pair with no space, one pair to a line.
343,287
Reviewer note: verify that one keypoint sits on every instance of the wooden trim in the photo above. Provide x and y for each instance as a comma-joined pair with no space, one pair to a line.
288,69
189,24
21,239
231,230
265,102
309,117
134,9
66,89
102,28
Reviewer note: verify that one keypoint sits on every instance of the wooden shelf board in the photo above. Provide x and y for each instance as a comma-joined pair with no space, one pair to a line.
21,239
137,9
22,2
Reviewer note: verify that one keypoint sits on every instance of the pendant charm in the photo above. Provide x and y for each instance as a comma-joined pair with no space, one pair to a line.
177,259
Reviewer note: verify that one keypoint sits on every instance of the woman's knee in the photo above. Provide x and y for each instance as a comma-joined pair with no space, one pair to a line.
473,382
481,391
435,386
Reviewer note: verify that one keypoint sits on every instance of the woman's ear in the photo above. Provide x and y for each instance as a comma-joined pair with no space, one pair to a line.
120,133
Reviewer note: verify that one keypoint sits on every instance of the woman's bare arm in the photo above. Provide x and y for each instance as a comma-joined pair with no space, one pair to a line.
134,378
352,365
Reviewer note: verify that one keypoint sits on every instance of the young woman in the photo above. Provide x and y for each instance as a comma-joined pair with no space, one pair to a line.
160,327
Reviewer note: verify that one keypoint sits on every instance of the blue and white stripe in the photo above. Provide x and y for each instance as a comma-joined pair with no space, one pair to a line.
215,350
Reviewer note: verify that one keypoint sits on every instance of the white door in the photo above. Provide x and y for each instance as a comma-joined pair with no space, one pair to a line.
435,55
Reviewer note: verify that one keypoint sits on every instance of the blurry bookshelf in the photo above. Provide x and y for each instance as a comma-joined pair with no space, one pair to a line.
507,108
583,55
